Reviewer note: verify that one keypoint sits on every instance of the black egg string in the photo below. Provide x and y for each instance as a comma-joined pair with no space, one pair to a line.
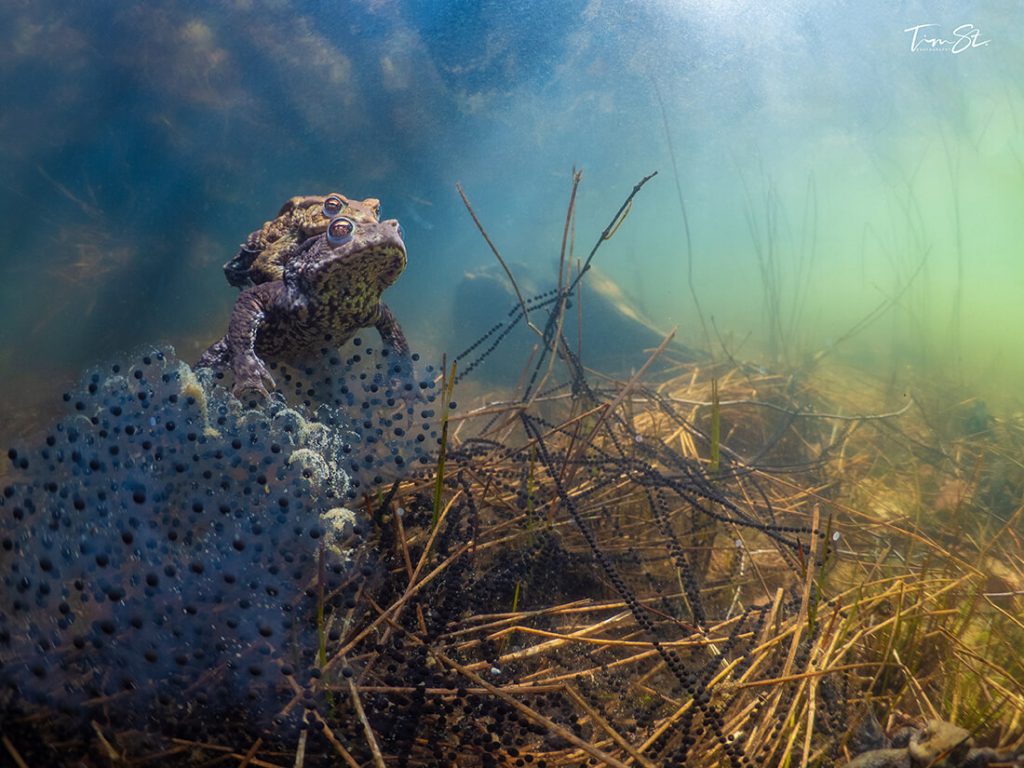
516,315
657,450
693,685
559,345
716,726
693,487
674,546
607,567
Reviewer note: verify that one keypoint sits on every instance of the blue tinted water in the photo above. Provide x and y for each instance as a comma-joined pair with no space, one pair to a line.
142,142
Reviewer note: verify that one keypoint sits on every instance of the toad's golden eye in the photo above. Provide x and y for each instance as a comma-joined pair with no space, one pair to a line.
333,205
340,230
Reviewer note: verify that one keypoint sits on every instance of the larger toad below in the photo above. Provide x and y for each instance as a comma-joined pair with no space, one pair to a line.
264,254
331,288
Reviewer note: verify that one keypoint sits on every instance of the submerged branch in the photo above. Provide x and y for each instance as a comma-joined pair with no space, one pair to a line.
609,230
498,256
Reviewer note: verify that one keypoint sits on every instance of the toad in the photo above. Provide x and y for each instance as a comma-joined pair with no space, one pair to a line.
262,257
330,288
938,745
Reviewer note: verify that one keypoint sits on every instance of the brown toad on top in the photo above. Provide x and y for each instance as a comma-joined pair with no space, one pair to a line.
262,257
331,287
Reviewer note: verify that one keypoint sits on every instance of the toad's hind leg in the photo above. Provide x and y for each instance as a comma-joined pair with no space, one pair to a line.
217,356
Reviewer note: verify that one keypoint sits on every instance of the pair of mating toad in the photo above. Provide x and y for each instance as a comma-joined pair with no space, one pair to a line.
312,275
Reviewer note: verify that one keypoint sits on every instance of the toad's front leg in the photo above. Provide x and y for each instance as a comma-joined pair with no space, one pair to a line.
391,332
250,315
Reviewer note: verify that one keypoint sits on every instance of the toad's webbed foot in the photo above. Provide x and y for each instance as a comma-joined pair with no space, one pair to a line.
252,378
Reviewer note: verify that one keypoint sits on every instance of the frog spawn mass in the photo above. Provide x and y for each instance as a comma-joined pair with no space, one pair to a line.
160,535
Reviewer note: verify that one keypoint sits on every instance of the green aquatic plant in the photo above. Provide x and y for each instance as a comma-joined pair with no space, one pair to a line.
715,463
785,289
685,217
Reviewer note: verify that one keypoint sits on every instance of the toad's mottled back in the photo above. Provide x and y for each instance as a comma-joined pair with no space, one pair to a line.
331,288
264,254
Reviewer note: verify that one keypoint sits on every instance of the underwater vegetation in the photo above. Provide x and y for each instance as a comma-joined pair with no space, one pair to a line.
714,565
609,316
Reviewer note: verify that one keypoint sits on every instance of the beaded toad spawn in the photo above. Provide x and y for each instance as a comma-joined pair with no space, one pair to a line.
331,287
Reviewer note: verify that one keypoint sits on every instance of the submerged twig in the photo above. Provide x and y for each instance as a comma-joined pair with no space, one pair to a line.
607,231
371,739
18,761
802,414
498,256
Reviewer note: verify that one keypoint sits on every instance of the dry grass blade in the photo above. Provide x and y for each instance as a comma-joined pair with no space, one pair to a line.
18,761
251,753
371,739
531,713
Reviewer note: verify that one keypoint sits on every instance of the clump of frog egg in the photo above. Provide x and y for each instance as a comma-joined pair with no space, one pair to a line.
163,546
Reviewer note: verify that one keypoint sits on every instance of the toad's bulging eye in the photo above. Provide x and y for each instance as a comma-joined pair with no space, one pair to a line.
340,230
333,205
